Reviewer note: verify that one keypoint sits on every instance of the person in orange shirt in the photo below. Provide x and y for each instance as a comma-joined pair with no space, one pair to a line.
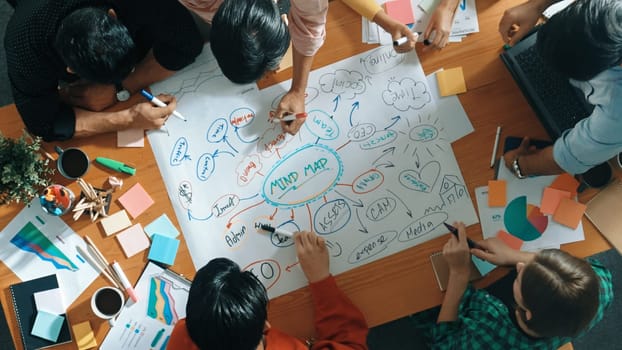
227,308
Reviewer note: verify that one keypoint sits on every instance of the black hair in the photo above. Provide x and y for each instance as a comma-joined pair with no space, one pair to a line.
95,45
227,307
248,38
584,39
562,293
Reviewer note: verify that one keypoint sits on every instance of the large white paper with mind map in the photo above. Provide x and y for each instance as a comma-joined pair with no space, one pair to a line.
371,170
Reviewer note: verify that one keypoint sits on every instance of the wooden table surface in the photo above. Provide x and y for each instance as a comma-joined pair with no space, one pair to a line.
385,290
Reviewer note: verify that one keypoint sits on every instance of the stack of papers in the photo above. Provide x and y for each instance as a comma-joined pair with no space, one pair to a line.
465,20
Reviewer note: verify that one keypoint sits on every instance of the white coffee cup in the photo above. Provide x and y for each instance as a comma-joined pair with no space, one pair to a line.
107,302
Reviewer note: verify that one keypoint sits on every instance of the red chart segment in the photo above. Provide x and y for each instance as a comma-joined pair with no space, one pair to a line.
523,220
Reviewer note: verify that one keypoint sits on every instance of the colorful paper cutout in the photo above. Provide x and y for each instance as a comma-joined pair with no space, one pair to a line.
133,240
512,241
47,326
163,249
566,182
497,193
163,226
115,222
550,199
451,81
136,200
400,10
483,266
569,212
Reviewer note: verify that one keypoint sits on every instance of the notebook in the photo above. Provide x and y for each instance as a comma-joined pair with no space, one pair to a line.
557,103
26,311
603,211
441,270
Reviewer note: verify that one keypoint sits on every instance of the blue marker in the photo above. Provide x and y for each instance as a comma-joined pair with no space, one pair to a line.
159,103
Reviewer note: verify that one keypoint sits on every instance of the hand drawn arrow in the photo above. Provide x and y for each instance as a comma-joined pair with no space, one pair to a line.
395,120
358,203
364,230
191,217
336,100
241,139
288,268
355,106
385,152
408,211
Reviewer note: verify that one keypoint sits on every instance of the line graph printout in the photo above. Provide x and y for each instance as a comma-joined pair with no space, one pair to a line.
371,170
35,244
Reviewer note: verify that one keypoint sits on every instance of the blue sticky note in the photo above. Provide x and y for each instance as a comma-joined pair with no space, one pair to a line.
163,249
47,326
483,266
162,226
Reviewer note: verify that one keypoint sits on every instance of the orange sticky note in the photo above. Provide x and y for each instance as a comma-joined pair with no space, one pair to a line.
551,198
569,212
400,10
512,241
451,81
136,200
566,182
497,193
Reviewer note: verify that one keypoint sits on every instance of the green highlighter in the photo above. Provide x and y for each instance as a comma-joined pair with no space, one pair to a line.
116,165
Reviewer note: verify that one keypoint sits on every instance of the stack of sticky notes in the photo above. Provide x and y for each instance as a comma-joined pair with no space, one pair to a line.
115,222
133,240
50,317
451,81
162,226
84,336
497,193
163,249
136,200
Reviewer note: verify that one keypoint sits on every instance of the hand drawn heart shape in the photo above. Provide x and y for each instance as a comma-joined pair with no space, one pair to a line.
423,180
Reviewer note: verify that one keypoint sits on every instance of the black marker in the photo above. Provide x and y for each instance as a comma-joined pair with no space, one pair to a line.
470,242
404,39
279,231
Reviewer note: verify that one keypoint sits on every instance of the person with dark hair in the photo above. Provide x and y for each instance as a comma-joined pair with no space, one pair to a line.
249,38
555,297
584,42
227,308
69,60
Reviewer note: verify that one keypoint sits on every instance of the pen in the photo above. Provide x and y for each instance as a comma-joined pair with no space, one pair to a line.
470,242
289,117
279,231
494,148
404,39
159,103
116,165
124,281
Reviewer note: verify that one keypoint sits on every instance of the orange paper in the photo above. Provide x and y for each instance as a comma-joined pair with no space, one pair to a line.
451,81
497,193
551,198
569,212
512,241
566,182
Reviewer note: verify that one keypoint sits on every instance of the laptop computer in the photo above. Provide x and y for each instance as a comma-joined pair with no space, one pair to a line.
557,103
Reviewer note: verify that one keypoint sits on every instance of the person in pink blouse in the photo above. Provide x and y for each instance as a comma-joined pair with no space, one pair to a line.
249,38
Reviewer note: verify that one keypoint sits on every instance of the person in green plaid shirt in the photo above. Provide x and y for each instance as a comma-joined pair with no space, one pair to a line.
557,297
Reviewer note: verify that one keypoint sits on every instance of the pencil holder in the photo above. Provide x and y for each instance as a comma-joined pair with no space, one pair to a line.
56,200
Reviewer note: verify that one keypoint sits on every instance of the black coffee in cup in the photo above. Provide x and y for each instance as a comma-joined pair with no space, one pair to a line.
598,176
108,302
72,163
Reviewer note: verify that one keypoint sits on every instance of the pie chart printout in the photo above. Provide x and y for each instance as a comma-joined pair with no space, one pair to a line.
523,220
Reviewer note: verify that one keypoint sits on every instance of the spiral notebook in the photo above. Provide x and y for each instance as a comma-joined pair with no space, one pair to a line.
26,311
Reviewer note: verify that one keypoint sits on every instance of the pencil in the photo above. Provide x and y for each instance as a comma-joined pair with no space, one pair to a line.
495,146
97,266
102,260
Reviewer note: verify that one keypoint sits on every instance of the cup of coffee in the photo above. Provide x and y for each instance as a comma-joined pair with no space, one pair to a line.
107,302
72,162
598,176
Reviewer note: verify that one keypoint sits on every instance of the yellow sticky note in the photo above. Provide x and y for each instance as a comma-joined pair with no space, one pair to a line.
451,81
569,212
84,336
497,193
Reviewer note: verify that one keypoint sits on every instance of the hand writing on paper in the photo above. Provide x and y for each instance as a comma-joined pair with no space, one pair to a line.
456,251
439,28
312,255
397,30
291,103
497,252
147,116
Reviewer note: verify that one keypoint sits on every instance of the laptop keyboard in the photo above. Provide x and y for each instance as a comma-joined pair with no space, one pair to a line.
562,100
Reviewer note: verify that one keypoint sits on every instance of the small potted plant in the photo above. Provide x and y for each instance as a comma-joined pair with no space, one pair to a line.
24,172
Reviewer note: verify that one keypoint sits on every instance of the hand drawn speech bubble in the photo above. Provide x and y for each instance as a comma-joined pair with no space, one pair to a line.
371,246
179,152
361,132
322,125
346,83
217,131
422,226
406,94
241,117
247,169
268,271
332,216
382,59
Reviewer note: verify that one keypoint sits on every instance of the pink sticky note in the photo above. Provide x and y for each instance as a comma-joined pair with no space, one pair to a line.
551,198
512,241
136,200
131,138
569,212
400,10
133,240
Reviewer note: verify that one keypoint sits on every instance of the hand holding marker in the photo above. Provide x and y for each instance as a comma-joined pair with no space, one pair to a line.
159,103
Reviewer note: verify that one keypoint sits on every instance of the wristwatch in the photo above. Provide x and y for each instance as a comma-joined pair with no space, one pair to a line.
122,93
516,169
